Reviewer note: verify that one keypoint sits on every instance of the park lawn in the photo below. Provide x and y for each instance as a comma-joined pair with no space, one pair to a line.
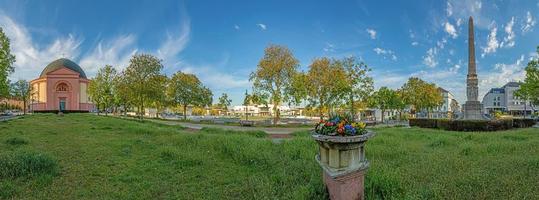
110,158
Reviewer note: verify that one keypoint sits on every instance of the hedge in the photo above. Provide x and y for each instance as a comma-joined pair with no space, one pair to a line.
472,125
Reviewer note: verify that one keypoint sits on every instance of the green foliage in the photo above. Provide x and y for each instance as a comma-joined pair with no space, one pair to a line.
186,89
144,80
529,90
385,99
224,101
25,164
6,64
101,88
274,73
22,90
16,141
420,94
327,83
360,84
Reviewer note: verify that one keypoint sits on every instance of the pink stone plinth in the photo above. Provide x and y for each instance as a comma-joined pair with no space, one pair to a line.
346,187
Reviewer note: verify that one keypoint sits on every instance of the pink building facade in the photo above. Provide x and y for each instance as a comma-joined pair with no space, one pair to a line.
62,86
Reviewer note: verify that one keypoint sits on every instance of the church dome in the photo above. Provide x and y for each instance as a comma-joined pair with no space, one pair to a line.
63,62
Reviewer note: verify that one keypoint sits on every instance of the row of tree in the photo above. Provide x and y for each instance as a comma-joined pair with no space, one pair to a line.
331,84
142,84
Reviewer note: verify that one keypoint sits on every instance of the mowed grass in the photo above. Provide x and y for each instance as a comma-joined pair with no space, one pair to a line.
108,158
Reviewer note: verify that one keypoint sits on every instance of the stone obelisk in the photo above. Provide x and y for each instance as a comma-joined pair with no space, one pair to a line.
472,107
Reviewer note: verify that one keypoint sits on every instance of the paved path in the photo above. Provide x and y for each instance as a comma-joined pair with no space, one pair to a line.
5,118
268,130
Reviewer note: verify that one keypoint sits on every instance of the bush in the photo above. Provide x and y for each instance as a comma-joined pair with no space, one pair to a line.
23,164
523,123
468,125
16,141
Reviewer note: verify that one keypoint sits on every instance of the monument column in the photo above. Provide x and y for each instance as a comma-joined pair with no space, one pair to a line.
472,107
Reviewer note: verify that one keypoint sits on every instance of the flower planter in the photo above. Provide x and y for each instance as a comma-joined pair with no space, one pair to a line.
343,161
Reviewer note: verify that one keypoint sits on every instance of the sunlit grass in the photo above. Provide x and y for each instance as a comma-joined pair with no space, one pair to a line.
109,158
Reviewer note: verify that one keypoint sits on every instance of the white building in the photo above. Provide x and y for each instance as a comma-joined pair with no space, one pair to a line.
260,110
503,99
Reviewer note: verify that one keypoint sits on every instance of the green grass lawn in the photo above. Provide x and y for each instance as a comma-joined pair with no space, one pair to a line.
85,156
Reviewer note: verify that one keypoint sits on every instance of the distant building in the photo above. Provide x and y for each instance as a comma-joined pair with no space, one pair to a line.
62,86
262,110
449,106
503,99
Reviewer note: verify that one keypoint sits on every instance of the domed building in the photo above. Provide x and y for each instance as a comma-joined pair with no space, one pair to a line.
62,86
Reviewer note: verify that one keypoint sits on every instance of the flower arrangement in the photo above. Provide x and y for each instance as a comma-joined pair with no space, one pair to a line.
342,125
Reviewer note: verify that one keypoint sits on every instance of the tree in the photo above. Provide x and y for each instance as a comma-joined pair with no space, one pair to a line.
297,92
360,84
224,102
22,91
186,89
274,74
141,76
6,64
101,88
326,83
421,95
385,99
122,96
529,89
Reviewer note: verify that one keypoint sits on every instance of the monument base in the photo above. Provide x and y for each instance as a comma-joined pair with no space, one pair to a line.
473,111
346,187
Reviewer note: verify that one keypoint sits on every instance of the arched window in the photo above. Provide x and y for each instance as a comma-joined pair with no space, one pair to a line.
62,87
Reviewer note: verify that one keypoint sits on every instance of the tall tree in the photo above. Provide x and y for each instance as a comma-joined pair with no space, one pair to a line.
224,102
360,84
186,89
274,74
122,95
385,99
421,95
529,89
326,83
22,91
101,88
142,74
297,92
6,64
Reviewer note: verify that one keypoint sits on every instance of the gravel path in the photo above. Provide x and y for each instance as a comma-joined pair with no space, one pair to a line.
268,130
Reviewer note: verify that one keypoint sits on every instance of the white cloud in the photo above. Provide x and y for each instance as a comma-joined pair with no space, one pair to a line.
415,43
492,42
32,58
329,47
450,29
372,33
430,58
115,52
529,23
509,39
385,53
449,9
262,26
213,78
462,9
174,44
236,27
459,22
502,74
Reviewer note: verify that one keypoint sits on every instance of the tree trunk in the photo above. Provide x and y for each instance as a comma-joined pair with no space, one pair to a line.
24,108
184,111
383,116
352,111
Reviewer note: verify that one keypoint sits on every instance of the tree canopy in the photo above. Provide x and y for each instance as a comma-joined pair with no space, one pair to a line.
6,64
421,95
22,90
101,88
143,76
186,89
327,82
529,90
274,74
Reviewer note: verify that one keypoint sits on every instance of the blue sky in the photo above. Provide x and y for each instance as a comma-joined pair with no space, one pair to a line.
222,41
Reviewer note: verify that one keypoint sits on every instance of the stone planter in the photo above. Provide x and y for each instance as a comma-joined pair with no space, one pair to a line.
344,164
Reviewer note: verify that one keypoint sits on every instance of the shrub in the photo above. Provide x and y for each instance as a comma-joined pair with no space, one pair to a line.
523,123
16,141
463,125
24,164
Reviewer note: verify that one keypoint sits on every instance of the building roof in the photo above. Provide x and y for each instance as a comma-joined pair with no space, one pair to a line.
63,62
497,90
512,84
442,89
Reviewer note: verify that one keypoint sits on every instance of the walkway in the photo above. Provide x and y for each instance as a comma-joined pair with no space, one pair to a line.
268,130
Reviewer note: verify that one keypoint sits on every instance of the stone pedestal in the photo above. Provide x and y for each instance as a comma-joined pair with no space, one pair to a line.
473,110
344,164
